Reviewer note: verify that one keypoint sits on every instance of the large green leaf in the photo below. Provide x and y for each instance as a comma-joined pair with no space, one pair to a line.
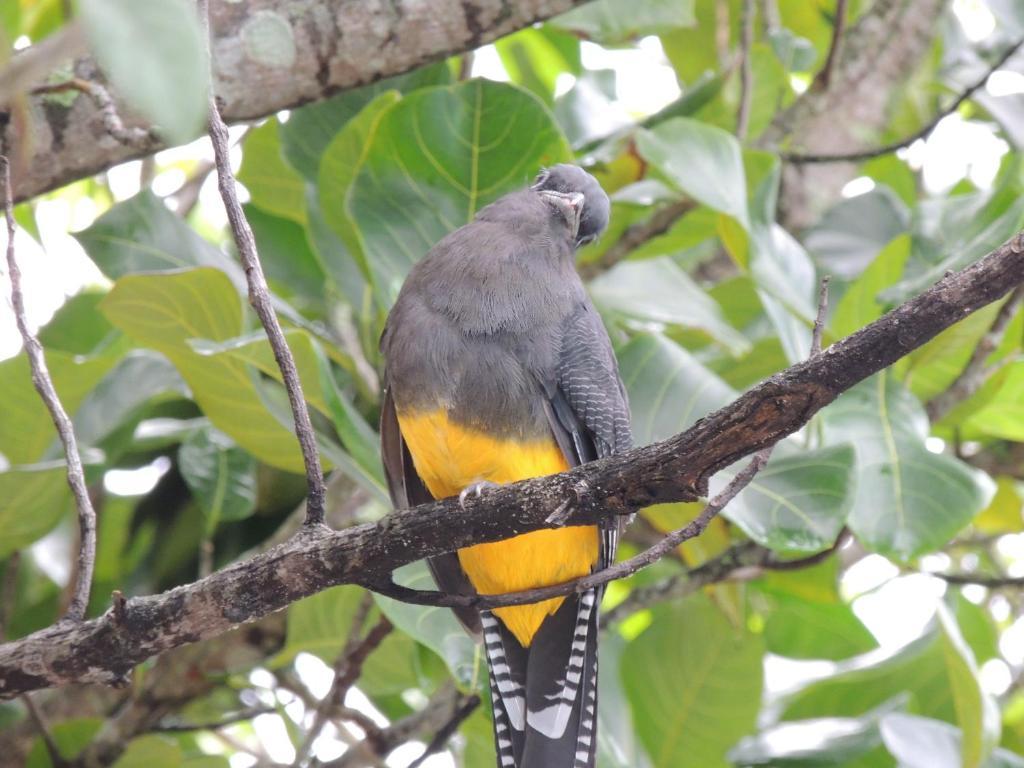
920,742
70,738
221,476
658,291
861,304
26,429
694,684
798,502
534,58
32,501
908,500
155,55
273,185
853,232
150,751
437,157
166,311
141,235
801,629
826,742
310,129
436,628
1003,416
618,743
976,712
703,161
668,388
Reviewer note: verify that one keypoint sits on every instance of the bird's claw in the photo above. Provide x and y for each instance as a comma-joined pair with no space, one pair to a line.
476,489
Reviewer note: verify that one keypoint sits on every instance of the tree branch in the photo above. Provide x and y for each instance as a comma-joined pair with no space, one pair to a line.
906,141
824,77
259,298
746,69
677,469
44,386
338,45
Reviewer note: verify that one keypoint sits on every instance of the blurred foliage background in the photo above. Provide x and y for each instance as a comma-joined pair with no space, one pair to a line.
707,279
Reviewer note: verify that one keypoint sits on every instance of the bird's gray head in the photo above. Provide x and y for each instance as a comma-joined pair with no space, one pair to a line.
578,196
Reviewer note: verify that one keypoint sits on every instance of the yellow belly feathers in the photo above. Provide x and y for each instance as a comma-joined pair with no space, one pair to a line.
449,458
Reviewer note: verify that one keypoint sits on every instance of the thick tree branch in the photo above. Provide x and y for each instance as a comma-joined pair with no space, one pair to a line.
677,469
322,47
44,386
259,298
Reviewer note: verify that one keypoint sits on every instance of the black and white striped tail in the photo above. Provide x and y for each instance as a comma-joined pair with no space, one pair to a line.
545,696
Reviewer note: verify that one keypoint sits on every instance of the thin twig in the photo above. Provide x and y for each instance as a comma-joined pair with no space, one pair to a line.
259,298
43,727
741,562
464,709
224,722
635,236
824,77
975,373
746,70
347,668
112,122
819,318
44,386
9,593
37,61
906,141
991,582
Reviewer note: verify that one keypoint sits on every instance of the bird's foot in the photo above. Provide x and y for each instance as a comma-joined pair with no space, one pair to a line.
476,490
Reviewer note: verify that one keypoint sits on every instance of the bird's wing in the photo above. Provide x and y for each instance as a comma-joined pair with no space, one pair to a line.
589,416
407,490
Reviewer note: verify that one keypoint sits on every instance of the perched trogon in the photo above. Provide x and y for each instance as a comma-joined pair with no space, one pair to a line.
498,368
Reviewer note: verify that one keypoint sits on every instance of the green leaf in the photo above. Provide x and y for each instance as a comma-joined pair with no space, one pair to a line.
618,21
908,500
798,502
860,304
287,258
78,327
273,185
436,628
534,58
694,684
618,743
26,429
150,751
339,168
360,439
32,501
819,743
797,54
701,160
422,176
658,291
70,736
155,55
920,742
164,312
852,233
803,630
977,713
221,476
141,235
310,129
1003,416
668,388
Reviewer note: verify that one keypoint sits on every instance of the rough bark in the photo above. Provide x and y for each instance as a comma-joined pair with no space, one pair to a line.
107,648
880,53
270,55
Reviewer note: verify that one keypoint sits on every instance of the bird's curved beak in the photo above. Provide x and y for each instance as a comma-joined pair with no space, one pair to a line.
569,204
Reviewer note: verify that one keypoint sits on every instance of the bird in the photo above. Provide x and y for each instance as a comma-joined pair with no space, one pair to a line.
498,368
